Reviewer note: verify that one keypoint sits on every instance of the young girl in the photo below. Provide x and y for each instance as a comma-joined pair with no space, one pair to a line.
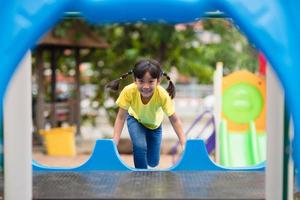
144,103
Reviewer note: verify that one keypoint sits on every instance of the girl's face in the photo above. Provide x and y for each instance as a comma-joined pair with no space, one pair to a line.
146,85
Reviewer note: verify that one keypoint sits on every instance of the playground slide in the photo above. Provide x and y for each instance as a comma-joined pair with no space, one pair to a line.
239,149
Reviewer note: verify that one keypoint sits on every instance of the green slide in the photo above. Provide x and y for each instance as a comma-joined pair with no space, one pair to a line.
241,149
242,103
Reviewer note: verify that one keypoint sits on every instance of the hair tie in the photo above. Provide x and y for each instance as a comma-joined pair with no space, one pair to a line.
166,75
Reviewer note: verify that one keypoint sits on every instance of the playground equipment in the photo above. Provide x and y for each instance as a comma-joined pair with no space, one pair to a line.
271,25
60,141
110,160
242,132
209,141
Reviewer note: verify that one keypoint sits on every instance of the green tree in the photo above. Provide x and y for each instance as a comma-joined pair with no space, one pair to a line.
183,49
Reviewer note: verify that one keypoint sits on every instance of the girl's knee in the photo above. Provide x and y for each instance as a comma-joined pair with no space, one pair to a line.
140,148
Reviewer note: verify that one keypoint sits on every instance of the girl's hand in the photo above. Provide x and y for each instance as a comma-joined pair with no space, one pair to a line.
183,142
181,149
182,146
116,139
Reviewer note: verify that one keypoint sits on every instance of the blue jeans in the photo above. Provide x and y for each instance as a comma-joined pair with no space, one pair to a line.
145,143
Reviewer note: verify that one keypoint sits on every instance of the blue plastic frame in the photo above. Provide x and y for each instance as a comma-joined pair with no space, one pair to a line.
105,157
272,25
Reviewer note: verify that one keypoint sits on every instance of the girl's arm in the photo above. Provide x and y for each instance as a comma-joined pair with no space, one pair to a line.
119,124
177,126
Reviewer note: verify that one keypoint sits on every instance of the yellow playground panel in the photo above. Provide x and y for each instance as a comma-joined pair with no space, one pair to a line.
60,141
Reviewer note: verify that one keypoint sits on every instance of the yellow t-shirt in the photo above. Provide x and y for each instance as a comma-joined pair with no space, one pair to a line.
150,114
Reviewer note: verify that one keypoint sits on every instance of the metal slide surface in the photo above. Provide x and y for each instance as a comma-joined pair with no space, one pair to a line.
148,185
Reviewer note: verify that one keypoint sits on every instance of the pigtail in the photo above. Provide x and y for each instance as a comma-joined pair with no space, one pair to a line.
171,87
114,85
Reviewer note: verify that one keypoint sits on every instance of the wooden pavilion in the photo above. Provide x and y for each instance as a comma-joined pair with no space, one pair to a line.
75,38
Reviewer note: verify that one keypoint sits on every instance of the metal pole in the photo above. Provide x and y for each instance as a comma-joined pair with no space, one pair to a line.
18,134
275,140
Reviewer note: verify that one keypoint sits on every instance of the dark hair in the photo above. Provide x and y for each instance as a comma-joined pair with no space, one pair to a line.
140,69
